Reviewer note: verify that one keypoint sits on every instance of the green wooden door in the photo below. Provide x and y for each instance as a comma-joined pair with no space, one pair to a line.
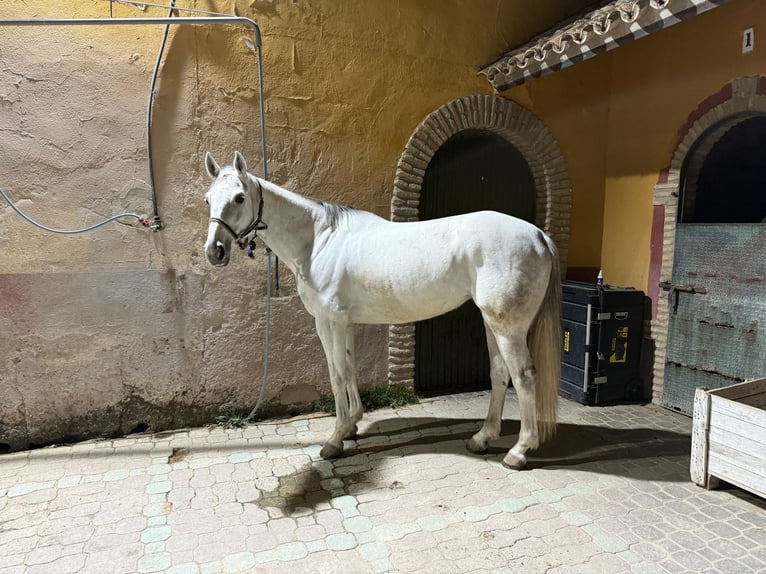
473,171
717,310
717,296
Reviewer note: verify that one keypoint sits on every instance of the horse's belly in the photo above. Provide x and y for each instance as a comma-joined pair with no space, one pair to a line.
374,306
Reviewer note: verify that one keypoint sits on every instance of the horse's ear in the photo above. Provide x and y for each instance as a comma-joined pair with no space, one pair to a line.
240,166
210,165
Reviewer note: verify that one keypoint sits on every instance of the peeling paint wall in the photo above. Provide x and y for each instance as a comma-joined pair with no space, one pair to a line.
105,332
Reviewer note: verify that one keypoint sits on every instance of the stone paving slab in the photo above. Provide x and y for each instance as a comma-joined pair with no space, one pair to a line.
610,494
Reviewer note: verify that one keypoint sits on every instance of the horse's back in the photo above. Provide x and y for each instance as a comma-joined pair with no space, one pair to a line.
491,226
400,272
469,228
460,243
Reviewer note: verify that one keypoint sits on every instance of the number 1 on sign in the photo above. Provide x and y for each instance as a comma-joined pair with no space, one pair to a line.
748,41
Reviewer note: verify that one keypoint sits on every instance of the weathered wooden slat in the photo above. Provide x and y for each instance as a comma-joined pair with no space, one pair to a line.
757,401
729,423
737,410
721,436
743,391
735,457
730,472
714,339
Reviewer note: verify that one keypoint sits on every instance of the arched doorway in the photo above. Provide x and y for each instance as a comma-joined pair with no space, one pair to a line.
725,184
474,170
531,138
714,280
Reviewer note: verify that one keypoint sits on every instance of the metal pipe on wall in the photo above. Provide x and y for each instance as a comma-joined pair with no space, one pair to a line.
180,20
195,20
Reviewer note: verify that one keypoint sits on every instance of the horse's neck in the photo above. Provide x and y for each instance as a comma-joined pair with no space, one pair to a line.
291,220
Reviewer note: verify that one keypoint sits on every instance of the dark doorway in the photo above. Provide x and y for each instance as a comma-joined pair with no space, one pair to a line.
473,171
731,185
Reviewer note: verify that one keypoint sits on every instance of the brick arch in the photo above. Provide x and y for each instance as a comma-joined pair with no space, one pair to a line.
736,102
519,127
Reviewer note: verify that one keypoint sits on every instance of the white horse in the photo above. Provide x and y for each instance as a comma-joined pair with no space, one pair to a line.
352,266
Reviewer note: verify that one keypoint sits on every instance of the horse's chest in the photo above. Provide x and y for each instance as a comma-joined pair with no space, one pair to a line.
318,301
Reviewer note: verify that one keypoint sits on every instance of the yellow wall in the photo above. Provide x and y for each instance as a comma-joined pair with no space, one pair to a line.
617,118
348,82
574,106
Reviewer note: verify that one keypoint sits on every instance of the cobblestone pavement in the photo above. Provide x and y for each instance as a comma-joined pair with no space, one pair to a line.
610,494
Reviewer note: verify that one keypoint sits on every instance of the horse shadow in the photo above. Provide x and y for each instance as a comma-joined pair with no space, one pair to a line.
636,453
573,445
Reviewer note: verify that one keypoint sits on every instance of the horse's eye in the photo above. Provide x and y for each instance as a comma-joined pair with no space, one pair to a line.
206,201
239,198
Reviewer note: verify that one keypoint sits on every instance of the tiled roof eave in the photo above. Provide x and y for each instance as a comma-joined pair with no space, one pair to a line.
615,24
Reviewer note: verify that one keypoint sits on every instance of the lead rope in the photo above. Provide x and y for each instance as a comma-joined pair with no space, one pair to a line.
266,351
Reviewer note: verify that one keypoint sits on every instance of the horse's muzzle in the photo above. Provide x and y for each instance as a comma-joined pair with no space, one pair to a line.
217,253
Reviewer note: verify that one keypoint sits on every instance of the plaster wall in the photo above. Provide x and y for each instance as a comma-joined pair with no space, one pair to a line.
105,332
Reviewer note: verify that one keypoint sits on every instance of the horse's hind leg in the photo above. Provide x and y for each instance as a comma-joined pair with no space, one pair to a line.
516,354
499,375
509,356
338,344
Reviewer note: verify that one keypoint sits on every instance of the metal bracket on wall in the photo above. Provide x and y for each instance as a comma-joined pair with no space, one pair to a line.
179,20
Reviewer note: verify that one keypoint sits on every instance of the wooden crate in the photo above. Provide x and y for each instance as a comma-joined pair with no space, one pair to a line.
729,436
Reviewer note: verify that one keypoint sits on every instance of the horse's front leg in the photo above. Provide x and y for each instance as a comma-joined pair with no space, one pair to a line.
338,343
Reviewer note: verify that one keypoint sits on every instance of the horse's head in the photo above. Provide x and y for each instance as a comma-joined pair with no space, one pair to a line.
236,201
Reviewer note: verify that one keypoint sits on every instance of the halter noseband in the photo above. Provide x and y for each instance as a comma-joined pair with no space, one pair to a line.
257,225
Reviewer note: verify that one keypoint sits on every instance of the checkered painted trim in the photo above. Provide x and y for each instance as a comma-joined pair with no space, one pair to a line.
613,25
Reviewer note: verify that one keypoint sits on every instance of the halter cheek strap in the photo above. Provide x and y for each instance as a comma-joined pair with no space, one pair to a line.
257,225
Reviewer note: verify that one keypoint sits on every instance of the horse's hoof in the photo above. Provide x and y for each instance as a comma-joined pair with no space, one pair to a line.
476,447
351,434
330,451
514,461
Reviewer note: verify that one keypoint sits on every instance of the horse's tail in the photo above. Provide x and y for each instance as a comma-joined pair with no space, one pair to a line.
545,348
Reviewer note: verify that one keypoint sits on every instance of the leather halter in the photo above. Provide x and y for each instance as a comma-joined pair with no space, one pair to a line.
257,225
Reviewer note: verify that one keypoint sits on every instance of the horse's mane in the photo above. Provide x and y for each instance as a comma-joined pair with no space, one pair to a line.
335,213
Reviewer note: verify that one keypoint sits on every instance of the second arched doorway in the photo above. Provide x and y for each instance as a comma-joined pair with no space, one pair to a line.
717,305
710,235
474,170
516,125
